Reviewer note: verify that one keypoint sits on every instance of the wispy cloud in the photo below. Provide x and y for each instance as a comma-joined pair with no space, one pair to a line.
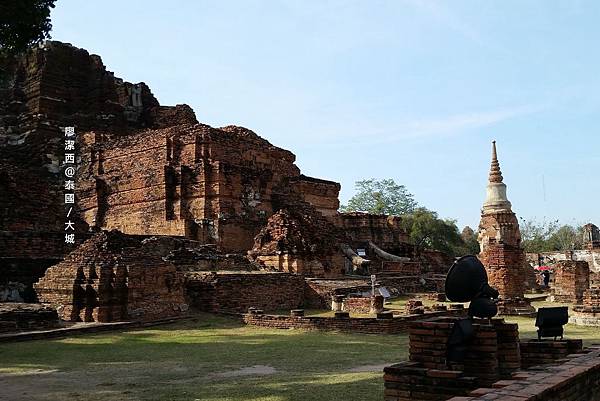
456,124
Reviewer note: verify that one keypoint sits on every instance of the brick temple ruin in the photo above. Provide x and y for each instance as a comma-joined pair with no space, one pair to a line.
589,252
500,243
168,206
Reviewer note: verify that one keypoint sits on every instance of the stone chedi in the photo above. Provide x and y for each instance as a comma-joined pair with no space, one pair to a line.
500,243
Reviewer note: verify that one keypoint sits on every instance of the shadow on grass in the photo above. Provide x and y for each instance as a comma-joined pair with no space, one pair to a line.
222,344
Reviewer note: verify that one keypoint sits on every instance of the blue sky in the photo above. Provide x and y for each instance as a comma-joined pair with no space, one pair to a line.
410,90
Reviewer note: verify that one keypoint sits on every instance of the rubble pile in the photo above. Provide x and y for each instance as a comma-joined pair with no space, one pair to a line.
299,242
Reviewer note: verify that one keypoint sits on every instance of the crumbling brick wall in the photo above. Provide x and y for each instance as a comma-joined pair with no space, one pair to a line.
113,277
236,292
48,87
571,280
301,242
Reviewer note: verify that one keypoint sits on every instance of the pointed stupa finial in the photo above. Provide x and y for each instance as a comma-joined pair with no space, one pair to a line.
495,173
496,200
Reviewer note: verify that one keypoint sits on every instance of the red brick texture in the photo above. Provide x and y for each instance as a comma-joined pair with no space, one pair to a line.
385,325
571,280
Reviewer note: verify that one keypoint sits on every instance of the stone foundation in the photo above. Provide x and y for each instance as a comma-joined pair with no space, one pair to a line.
27,317
384,324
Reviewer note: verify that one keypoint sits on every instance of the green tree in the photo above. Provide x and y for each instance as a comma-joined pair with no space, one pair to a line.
380,197
566,238
23,23
469,238
427,231
535,235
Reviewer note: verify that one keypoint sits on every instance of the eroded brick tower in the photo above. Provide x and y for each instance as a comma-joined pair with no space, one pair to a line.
500,243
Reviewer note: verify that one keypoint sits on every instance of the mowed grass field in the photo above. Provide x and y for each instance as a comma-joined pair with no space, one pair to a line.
211,358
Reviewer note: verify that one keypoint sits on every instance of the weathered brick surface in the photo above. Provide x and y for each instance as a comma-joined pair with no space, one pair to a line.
114,277
588,313
236,292
492,354
591,236
571,280
500,244
574,380
26,317
545,352
300,241
392,325
318,293
363,305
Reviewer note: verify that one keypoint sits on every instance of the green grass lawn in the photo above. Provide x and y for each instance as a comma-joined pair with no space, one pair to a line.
195,360
212,358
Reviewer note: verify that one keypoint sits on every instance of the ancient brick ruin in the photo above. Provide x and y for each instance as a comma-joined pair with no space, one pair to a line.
239,204
113,277
588,312
591,236
495,362
571,280
500,243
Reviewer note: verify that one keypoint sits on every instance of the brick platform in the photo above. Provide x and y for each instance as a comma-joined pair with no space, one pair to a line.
574,380
536,352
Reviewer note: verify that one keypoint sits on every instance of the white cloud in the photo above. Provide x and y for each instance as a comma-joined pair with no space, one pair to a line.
362,133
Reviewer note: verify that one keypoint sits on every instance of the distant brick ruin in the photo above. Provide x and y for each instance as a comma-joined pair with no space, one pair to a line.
591,236
571,280
211,200
500,243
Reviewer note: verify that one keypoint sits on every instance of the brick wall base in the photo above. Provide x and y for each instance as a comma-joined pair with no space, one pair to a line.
575,380
386,325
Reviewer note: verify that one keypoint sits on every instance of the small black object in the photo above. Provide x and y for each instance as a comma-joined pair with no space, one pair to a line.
550,321
467,281
459,339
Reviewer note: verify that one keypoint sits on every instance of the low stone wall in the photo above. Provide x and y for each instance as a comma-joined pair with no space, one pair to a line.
15,317
575,380
388,325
